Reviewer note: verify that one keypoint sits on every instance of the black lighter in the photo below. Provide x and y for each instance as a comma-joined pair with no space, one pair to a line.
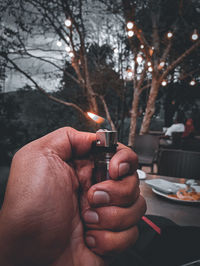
103,149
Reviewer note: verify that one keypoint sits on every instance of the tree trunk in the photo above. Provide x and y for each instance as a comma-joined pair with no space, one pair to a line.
134,114
150,108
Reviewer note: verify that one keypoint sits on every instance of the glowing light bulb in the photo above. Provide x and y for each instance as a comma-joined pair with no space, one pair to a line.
130,25
169,35
161,65
68,23
142,46
164,83
129,74
139,59
150,69
59,43
71,54
195,35
130,33
149,63
68,49
192,82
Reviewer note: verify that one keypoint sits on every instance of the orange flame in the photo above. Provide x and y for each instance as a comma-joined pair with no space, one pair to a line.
96,118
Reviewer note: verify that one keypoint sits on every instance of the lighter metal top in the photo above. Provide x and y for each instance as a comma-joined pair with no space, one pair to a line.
106,138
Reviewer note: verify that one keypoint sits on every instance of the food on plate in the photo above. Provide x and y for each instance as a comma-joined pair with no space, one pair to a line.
183,194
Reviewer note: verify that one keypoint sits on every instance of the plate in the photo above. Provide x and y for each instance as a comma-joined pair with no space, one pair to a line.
174,199
141,174
165,186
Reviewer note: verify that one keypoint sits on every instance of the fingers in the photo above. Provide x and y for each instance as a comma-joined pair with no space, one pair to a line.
122,192
109,243
123,162
64,142
115,218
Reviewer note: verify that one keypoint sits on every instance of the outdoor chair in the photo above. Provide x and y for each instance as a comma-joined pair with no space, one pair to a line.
179,163
190,144
146,147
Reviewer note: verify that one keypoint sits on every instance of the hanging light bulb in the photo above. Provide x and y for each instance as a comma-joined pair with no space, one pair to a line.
149,63
161,65
164,83
142,46
129,74
150,69
192,82
139,59
68,49
67,39
59,43
115,51
195,35
71,54
130,25
130,33
169,35
68,23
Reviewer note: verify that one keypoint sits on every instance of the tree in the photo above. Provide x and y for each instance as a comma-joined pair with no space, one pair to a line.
159,47
33,25
158,52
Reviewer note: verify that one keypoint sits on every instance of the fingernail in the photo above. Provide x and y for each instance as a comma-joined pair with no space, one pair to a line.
91,217
90,240
124,168
101,197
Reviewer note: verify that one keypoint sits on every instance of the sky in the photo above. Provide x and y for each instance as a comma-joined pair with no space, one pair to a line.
45,46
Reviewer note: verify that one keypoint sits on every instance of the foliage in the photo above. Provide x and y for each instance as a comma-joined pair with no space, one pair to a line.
27,115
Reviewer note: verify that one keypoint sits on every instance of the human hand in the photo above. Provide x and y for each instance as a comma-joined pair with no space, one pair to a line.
49,197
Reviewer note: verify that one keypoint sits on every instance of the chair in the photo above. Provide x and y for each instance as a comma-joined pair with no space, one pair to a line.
146,147
179,163
190,144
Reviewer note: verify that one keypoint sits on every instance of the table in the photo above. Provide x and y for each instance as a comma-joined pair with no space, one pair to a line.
181,213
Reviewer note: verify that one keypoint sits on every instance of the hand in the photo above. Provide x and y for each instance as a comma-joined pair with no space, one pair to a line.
49,197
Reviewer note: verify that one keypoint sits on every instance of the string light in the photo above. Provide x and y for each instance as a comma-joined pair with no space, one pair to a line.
149,63
68,23
130,25
130,33
139,59
59,43
142,46
67,39
164,83
129,73
169,35
195,35
161,65
71,54
116,51
68,49
150,69
192,82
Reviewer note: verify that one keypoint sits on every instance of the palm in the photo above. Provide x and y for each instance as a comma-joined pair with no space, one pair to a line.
76,250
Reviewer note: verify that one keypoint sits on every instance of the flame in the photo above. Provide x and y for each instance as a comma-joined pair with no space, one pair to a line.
96,118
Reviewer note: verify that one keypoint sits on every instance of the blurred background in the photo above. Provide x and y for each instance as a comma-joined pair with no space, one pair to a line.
136,63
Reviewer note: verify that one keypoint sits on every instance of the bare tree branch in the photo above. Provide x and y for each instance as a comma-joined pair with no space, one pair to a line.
179,60
41,89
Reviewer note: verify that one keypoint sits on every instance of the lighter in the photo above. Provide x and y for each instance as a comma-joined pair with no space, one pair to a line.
104,148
